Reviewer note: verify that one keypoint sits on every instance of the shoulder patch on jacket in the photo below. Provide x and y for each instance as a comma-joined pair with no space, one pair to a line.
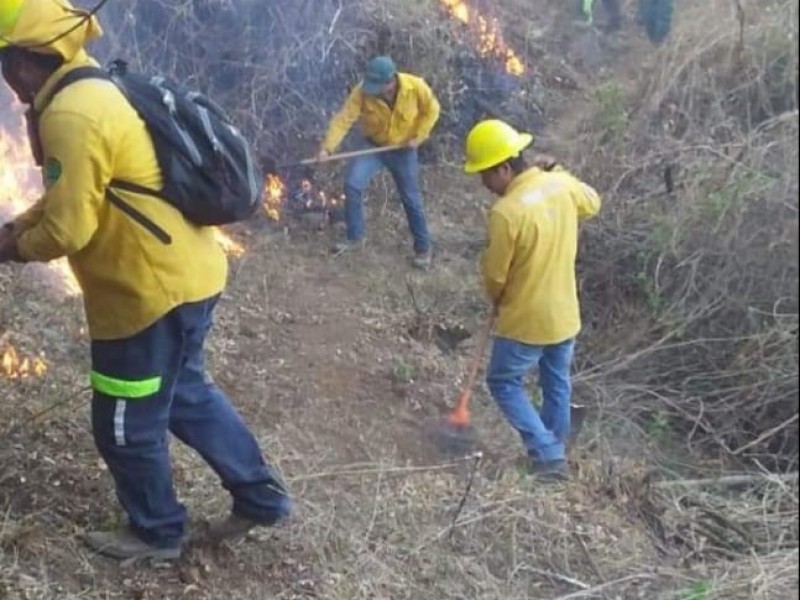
52,171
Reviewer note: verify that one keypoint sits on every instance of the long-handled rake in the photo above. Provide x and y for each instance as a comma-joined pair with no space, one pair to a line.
272,167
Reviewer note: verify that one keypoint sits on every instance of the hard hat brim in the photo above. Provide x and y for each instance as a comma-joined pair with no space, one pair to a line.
523,142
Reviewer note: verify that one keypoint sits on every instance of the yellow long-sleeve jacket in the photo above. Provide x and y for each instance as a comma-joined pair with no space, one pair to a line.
413,116
529,265
90,134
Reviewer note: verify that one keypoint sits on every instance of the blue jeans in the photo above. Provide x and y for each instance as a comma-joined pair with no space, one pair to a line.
542,434
130,426
404,167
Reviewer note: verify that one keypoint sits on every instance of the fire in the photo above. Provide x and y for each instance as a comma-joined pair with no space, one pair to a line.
274,191
305,195
489,38
229,245
15,368
19,181
303,198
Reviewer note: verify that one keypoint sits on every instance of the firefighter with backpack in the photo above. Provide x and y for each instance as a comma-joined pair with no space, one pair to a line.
150,276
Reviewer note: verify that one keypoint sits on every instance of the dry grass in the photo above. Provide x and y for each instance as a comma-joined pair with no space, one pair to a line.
699,158
336,368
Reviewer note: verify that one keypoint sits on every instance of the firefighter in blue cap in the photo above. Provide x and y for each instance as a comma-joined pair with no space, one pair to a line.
393,108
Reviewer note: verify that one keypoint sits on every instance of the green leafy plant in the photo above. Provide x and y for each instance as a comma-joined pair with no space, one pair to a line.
613,118
701,590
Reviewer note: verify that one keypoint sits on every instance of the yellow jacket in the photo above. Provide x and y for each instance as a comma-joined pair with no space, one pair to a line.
415,112
529,265
90,134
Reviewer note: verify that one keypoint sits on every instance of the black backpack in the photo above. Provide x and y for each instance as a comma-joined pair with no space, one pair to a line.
207,167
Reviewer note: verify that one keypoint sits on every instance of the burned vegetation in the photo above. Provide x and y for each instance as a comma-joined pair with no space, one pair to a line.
282,69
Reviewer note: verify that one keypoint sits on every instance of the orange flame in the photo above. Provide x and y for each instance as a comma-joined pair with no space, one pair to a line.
274,190
489,40
275,196
321,199
19,181
15,368
230,246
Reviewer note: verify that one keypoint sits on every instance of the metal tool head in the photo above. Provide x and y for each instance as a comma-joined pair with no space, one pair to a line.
451,441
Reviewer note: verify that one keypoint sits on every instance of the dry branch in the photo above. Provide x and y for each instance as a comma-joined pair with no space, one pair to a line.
727,481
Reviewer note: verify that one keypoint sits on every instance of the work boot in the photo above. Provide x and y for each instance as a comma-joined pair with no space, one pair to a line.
123,544
230,529
346,246
550,470
422,260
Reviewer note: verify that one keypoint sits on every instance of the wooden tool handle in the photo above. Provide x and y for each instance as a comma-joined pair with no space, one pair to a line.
466,392
352,154
459,416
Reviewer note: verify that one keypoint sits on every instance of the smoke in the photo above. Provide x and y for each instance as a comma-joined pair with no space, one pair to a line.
272,65
10,111
20,180
282,68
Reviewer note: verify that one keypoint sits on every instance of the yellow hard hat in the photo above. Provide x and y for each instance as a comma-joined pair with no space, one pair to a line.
492,142
9,14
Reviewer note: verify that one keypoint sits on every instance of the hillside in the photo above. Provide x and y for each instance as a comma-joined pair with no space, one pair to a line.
684,482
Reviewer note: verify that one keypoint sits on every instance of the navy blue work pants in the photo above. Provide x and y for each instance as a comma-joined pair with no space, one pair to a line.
155,382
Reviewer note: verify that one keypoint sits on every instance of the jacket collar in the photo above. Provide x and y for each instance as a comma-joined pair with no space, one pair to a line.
81,59
404,88
526,177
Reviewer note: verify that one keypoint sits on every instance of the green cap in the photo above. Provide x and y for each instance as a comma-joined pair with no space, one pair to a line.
380,71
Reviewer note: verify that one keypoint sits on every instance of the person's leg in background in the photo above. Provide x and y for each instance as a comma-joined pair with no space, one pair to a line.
358,175
404,167
556,384
586,8
204,419
133,381
509,363
613,10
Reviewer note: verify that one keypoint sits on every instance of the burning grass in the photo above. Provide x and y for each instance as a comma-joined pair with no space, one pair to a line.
489,40
20,185
15,367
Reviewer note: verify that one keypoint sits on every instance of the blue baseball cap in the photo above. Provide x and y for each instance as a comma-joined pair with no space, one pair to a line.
380,71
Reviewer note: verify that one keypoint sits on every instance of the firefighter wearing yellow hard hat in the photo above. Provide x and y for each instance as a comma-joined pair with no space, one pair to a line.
528,271
149,299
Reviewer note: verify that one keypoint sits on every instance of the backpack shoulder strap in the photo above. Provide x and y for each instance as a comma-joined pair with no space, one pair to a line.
70,78
32,115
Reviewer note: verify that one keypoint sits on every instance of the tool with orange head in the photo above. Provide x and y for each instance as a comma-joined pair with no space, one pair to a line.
455,433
